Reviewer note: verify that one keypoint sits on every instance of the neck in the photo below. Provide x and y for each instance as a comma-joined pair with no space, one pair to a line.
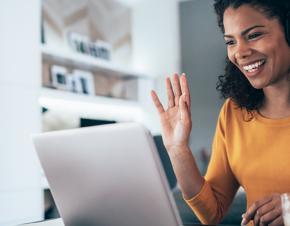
277,101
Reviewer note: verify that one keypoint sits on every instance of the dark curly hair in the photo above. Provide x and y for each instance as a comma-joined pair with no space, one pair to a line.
233,84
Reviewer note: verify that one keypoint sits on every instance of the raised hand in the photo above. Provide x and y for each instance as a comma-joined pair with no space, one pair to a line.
176,119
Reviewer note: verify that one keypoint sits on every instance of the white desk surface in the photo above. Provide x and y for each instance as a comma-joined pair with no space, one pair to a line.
56,222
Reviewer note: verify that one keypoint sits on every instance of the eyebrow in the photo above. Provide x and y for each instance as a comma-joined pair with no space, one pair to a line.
245,31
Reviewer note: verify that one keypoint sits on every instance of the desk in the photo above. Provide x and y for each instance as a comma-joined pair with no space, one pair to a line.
55,222
59,222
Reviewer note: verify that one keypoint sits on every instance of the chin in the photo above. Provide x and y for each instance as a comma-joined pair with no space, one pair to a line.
257,85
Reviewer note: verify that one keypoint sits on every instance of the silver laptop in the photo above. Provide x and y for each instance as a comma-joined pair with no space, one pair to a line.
107,175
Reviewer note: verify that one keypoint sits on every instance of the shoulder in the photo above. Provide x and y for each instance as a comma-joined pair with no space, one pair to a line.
230,107
231,111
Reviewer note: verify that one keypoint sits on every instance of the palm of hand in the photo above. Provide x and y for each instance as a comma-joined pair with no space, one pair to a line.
174,129
176,120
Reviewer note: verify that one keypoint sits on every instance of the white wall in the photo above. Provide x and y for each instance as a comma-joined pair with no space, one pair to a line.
181,36
203,55
20,192
155,35
156,47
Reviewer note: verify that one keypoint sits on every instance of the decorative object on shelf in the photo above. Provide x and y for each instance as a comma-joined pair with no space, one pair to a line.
78,42
73,84
82,44
59,77
78,82
85,79
103,49
70,76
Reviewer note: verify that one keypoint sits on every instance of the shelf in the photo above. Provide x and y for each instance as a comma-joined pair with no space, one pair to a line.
91,106
87,62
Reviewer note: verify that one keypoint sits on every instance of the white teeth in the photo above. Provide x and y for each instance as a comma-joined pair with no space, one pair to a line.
252,70
253,67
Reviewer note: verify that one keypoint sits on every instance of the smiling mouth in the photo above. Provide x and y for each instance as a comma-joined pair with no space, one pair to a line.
254,66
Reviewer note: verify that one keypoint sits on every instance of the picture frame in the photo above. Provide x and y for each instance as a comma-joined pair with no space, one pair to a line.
73,84
84,82
79,42
82,44
104,49
59,77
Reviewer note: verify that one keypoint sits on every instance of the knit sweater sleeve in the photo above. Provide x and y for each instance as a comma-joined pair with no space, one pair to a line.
220,186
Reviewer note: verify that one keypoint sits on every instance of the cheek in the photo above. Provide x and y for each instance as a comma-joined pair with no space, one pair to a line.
231,56
265,48
271,51
272,46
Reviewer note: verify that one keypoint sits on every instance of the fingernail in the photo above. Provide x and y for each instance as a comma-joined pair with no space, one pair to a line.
243,222
243,215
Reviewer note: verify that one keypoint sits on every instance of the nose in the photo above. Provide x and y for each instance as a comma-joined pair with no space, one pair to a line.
243,50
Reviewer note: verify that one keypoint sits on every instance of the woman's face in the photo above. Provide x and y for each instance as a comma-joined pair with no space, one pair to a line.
257,46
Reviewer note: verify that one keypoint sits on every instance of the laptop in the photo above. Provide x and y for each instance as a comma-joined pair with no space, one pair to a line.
107,175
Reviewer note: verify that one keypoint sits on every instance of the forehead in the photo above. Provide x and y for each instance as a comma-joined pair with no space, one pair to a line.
236,20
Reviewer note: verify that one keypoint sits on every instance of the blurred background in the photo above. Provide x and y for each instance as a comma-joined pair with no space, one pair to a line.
76,63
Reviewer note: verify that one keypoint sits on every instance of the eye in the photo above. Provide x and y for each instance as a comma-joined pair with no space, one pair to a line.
229,42
254,35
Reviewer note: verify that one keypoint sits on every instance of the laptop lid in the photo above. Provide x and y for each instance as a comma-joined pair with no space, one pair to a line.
107,175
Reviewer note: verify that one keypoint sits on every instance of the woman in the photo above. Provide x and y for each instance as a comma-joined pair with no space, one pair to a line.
252,139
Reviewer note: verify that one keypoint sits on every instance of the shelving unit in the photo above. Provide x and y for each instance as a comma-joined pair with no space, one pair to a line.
121,93
96,107
88,106
134,104
90,63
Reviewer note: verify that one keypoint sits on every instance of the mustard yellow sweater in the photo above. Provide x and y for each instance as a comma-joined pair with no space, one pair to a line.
254,154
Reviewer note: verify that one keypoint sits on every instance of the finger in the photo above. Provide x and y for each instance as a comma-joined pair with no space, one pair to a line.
185,88
184,113
157,102
250,214
268,207
256,220
277,222
170,93
176,88
271,215
265,211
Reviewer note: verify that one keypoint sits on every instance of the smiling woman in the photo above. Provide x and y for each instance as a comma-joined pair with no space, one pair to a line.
264,40
251,144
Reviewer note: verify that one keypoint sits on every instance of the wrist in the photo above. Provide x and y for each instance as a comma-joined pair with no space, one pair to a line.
179,151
